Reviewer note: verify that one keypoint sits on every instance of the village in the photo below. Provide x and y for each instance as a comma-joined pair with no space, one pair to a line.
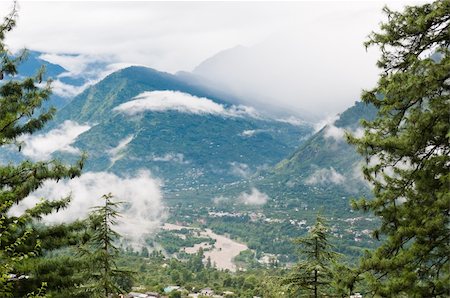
177,291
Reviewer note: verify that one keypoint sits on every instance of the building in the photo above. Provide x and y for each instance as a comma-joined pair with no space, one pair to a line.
207,292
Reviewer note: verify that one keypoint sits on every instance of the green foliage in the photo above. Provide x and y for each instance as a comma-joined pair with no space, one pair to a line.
172,241
246,259
22,112
175,294
262,237
321,151
102,276
157,272
408,154
193,153
313,272
60,272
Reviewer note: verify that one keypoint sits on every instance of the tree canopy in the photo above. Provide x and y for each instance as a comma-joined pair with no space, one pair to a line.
103,278
408,154
21,112
313,274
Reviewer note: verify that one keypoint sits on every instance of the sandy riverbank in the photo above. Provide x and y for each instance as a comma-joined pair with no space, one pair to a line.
223,252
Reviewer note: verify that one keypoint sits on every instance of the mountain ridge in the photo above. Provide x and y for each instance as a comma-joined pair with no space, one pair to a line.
219,145
325,160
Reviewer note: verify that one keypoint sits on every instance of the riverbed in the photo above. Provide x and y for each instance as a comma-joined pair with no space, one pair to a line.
221,253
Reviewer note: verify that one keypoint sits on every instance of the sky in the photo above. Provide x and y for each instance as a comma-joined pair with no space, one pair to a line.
303,57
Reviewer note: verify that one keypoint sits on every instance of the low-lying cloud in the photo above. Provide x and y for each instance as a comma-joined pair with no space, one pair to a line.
89,68
325,176
338,133
251,132
76,65
325,122
143,208
116,153
220,200
65,90
171,157
293,121
333,132
255,197
240,169
160,101
41,146
252,198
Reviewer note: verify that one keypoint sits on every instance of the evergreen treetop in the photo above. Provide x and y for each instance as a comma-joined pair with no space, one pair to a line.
408,154
313,272
103,278
21,112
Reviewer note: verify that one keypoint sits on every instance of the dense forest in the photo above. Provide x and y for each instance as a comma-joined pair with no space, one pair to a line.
407,154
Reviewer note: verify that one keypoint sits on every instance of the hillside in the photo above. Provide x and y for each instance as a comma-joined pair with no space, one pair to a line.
325,162
188,136
64,83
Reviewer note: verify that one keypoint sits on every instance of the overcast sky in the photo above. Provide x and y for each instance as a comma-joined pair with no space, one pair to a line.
311,53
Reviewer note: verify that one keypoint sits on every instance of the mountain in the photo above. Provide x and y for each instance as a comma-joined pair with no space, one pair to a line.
324,167
186,135
257,79
33,63
64,84
96,102
254,73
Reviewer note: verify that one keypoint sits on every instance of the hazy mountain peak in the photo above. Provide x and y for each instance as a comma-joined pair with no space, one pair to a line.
221,59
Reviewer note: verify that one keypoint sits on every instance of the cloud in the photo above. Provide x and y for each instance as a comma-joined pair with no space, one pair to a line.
142,211
171,157
41,146
90,69
338,134
240,169
293,121
358,175
251,132
390,171
325,177
78,65
116,153
300,70
255,197
329,120
181,102
220,200
241,110
65,90
359,132
333,132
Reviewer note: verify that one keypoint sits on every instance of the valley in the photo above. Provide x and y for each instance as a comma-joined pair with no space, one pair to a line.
224,149
223,167
221,253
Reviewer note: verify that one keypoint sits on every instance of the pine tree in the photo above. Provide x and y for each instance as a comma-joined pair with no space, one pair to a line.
313,272
103,275
21,112
408,154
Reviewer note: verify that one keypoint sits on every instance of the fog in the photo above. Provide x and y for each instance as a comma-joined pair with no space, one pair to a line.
168,100
41,146
142,210
306,58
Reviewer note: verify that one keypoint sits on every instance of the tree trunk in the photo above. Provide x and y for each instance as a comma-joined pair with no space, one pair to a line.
315,284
